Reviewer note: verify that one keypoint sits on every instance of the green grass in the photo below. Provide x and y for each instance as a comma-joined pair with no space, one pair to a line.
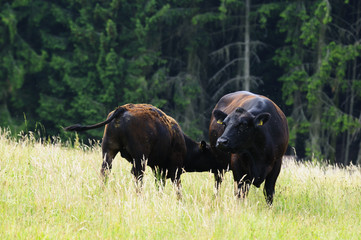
52,192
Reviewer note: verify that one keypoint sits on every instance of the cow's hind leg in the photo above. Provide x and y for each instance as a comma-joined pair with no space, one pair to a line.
138,169
108,156
269,186
174,174
160,177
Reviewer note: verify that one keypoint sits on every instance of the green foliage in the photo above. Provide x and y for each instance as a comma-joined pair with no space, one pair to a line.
317,75
73,61
339,122
265,11
313,21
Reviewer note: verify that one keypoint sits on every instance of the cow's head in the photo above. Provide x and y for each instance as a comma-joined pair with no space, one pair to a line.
200,157
205,151
240,128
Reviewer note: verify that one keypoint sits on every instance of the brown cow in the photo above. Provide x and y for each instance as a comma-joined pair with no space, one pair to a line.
250,132
145,135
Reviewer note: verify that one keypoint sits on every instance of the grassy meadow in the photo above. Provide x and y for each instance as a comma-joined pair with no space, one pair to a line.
49,191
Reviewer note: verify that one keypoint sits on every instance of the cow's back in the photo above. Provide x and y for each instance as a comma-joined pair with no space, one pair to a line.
146,129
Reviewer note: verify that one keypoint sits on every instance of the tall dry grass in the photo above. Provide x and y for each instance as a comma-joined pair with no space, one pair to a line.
48,191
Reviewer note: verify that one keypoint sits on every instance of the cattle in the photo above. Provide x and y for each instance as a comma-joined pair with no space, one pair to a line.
250,133
145,135
200,157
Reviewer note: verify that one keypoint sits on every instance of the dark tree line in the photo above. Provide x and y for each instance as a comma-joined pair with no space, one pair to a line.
69,61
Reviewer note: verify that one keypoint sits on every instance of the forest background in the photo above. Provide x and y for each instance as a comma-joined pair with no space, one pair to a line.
73,61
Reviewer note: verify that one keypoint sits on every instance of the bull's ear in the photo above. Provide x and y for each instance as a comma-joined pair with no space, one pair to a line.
203,145
261,119
219,115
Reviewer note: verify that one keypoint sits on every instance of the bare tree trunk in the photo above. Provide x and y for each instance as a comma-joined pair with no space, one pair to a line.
316,109
358,161
358,29
247,78
358,158
350,113
352,95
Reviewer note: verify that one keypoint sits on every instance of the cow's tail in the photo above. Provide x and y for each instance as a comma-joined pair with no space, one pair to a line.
80,128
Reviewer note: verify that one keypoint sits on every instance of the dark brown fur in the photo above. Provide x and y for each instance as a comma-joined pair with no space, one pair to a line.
145,135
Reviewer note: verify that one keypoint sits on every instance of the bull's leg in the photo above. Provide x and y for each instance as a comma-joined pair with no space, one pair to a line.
242,189
108,157
218,177
174,174
269,186
160,177
138,169
177,183
241,186
241,181
175,171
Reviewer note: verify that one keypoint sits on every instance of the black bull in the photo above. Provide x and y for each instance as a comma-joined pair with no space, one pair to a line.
250,133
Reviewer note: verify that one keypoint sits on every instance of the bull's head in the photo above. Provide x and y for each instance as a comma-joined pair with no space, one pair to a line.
240,128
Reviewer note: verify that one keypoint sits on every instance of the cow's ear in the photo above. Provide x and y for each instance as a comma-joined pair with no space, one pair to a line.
219,115
261,119
203,145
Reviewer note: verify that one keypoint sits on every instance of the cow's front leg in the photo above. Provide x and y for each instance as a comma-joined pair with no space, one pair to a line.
269,186
240,177
241,188
218,177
